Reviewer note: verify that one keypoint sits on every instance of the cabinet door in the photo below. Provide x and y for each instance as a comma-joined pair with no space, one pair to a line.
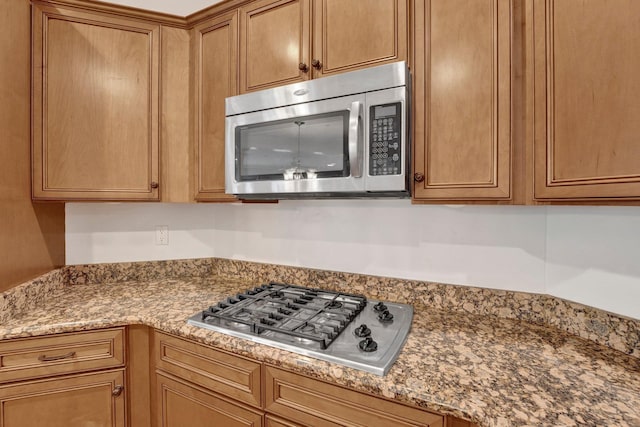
314,403
456,422
216,68
274,43
271,421
95,106
586,62
77,401
462,100
352,34
228,374
185,405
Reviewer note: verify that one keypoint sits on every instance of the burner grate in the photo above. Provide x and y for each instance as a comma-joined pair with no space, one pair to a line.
313,317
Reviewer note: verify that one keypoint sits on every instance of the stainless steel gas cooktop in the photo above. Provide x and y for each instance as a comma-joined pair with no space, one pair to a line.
333,326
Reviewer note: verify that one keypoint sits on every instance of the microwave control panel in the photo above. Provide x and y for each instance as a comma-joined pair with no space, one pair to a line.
385,139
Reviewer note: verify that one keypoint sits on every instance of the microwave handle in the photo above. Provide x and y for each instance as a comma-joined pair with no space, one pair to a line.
356,139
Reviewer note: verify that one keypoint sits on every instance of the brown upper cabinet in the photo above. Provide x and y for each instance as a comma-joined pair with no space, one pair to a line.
514,101
584,62
95,106
288,41
215,53
462,100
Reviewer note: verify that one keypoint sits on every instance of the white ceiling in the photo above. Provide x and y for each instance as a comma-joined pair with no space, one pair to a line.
173,7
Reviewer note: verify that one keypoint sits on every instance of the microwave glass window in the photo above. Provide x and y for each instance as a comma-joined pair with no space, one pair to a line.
302,148
385,140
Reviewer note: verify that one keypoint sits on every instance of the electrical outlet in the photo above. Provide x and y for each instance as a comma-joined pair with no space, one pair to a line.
162,235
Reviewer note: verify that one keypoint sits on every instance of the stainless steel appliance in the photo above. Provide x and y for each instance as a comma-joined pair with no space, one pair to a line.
337,327
339,136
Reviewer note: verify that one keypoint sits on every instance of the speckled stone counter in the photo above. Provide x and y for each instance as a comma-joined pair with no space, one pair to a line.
494,370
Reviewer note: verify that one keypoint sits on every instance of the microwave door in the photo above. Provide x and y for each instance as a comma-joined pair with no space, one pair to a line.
313,148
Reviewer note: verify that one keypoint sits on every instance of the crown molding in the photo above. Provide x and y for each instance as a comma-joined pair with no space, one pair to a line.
120,10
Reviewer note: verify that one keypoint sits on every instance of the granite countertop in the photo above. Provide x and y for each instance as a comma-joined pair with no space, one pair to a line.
493,371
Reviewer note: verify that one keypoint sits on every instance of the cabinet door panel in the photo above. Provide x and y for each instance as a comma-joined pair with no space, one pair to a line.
78,401
234,376
586,63
315,403
95,106
351,34
462,99
274,40
216,53
183,405
271,421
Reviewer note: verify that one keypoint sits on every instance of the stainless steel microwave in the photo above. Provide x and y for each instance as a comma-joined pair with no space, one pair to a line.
339,136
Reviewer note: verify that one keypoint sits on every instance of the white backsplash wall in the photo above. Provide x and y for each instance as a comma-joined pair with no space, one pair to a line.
593,256
585,254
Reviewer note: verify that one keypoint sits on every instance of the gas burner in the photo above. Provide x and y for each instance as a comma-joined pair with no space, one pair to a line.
334,326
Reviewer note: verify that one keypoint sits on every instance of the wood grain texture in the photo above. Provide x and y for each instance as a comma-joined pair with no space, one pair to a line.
31,235
215,53
76,401
456,422
184,405
462,99
217,9
353,34
234,376
95,106
120,10
521,149
271,421
311,402
138,376
176,142
20,358
274,40
586,59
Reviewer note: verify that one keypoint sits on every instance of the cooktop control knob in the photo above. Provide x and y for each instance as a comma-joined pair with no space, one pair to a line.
368,345
380,307
385,316
362,331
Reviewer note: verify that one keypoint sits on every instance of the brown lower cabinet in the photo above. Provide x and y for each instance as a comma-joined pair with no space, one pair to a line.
182,404
140,377
73,401
271,421
198,386
65,380
311,402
